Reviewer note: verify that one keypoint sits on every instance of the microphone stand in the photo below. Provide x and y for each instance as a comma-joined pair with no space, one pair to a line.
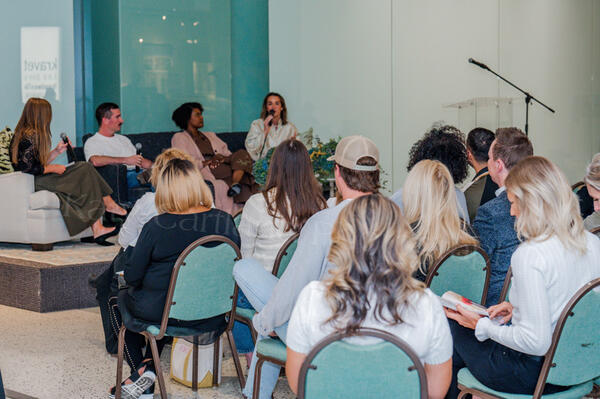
528,97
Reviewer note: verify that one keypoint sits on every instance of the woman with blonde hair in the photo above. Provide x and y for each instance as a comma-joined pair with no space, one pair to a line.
430,207
555,259
592,182
372,286
184,202
83,194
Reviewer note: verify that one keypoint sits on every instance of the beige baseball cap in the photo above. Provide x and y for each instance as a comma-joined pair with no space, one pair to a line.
350,149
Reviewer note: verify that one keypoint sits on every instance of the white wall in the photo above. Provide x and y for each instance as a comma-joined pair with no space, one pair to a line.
386,68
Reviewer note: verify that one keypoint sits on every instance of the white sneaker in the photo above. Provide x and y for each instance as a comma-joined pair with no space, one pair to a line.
137,388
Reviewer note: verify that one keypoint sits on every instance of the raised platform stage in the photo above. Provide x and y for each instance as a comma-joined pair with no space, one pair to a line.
53,280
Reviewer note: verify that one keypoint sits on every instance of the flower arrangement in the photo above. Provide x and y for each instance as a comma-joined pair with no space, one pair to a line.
318,152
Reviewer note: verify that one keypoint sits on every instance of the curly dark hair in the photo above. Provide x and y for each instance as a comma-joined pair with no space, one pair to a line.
443,143
181,116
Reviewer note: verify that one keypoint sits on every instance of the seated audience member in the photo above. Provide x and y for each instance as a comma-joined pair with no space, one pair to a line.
592,182
230,174
556,258
494,224
444,144
482,188
372,286
184,203
429,202
291,196
106,147
271,129
106,284
83,194
356,173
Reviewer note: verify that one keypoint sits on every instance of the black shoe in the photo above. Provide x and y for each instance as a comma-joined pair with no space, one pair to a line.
234,190
101,240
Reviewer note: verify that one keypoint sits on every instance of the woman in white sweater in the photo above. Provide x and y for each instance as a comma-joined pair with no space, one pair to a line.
291,195
555,259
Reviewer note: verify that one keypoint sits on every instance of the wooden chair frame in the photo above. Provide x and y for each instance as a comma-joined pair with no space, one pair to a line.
433,271
505,286
164,324
236,214
577,186
548,357
596,231
368,332
282,252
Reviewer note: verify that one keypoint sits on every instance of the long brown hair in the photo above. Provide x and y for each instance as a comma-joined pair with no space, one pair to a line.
35,126
373,248
263,112
297,195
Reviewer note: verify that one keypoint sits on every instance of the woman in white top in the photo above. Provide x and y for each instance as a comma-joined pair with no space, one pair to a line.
271,129
290,197
555,259
374,251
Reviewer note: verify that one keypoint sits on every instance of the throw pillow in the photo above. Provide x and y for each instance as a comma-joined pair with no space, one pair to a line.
6,136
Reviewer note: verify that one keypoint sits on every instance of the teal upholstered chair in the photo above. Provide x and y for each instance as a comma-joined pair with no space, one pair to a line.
339,369
573,358
201,287
281,262
577,186
237,218
464,269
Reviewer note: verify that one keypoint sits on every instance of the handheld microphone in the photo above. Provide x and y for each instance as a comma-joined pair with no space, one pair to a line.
70,152
138,151
272,113
479,64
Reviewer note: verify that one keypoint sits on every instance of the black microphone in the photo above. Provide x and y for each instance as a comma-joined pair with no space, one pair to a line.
70,152
479,64
272,113
138,151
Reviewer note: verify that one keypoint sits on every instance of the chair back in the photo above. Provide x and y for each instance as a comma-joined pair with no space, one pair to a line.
506,286
202,281
596,231
574,355
237,218
284,256
577,186
338,369
464,269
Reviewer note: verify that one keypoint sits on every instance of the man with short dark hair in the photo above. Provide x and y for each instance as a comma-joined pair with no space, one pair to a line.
493,224
106,147
482,188
356,174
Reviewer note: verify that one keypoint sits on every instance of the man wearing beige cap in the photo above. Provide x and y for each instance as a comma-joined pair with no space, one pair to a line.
356,174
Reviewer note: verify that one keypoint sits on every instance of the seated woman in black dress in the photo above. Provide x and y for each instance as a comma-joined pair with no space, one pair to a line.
83,194
184,202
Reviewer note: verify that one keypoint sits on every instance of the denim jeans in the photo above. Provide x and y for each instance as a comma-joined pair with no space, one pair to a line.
494,365
241,332
258,284
132,180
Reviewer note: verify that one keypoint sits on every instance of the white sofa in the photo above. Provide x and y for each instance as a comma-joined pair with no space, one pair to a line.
30,217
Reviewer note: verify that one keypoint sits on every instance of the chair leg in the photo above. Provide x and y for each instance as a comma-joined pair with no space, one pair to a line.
256,387
216,353
236,359
156,359
195,364
120,362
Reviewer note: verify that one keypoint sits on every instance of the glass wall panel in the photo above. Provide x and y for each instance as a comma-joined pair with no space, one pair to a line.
173,52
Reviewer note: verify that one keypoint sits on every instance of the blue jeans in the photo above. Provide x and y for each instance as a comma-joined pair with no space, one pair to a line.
241,332
132,180
258,284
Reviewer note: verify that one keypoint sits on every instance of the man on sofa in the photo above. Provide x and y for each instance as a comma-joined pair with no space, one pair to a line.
106,147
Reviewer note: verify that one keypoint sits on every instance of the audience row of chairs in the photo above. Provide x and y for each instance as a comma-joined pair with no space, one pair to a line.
573,358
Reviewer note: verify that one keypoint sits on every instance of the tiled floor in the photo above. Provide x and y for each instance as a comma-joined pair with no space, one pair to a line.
61,355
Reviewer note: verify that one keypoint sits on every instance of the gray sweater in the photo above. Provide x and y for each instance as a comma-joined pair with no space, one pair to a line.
309,263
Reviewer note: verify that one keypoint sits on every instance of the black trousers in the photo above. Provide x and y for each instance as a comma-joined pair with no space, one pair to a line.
494,365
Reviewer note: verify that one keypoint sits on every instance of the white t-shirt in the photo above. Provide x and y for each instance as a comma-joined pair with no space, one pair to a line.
143,210
425,327
115,146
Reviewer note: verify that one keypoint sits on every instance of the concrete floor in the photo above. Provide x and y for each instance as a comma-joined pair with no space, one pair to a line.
62,355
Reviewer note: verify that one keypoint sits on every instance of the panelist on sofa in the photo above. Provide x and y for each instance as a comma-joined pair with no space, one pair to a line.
82,193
